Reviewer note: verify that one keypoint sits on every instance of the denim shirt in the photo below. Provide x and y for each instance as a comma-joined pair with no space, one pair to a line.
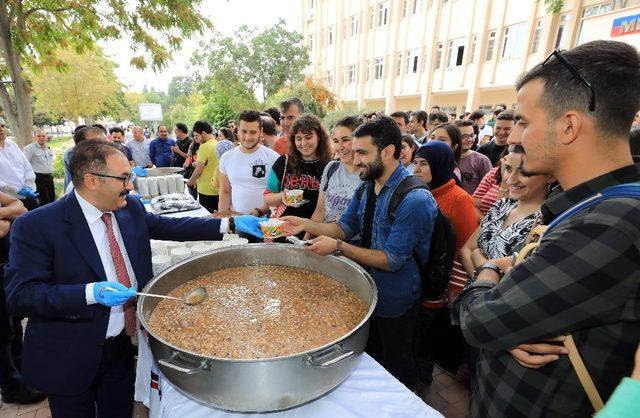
398,289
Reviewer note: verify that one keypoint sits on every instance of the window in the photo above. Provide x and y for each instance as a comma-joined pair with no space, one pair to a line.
330,35
491,45
513,44
351,74
472,52
367,70
404,8
438,60
399,65
371,17
412,61
378,68
310,41
383,14
455,53
598,9
537,35
353,25
563,32
311,4
329,78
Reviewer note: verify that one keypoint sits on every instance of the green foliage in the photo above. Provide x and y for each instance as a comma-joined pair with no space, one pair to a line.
317,99
554,6
253,61
85,87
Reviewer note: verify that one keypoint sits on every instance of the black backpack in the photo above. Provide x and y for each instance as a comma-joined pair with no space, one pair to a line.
436,273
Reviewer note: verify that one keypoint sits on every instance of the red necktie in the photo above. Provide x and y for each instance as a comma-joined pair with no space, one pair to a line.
123,276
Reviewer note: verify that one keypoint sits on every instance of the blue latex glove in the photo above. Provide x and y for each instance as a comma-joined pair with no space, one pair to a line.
249,224
112,293
139,171
27,192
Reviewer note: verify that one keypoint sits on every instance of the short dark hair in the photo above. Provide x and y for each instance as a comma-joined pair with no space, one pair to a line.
202,126
476,114
182,127
228,134
350,122
435,107
400,114
454,114
502,105
116,129
384,131
274,113
438,117
249,115
634,141
286,104
421,116
612,68
456,138
101,127
160,126
461,123
90,156
268,125
81,134
505,115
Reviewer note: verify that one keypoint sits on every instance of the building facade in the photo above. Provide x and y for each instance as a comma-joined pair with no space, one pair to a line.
458,54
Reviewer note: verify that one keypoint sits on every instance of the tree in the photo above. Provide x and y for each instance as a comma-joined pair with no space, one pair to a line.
87,88
32,31
317,98
262,62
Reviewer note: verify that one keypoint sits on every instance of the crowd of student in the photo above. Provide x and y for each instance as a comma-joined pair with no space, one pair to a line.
387,191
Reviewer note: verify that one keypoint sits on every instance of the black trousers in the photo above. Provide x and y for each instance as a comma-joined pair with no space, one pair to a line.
210,203
10,344
111,393
44,186
392,344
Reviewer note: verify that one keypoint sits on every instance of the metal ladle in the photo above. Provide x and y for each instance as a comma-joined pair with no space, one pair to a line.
195,296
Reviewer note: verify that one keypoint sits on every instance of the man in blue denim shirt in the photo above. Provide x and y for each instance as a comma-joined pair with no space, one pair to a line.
387,247
160,149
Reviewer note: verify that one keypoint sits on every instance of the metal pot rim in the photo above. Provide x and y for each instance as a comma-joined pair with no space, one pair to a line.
374,301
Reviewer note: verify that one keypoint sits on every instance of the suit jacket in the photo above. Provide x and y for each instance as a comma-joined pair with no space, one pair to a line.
52,258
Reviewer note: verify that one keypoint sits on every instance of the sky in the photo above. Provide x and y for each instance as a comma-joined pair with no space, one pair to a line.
226,16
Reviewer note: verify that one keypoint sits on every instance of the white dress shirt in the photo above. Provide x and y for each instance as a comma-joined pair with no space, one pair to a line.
99,233
15,170
40,158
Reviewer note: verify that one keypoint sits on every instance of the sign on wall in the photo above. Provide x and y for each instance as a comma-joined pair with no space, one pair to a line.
150,112
625,25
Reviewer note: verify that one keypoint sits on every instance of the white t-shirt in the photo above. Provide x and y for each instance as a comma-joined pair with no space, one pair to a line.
247,174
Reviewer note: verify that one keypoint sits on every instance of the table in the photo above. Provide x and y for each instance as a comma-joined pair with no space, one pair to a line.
370,391
198,212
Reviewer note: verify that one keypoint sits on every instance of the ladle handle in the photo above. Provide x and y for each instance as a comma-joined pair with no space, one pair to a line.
159,296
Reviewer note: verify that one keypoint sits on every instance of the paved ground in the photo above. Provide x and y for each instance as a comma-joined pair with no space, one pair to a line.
447,394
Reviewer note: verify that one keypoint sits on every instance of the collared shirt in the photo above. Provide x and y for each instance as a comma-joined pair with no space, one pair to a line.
99,233
140,152
40,158
422,139
399,288
15,170
66,160
583,279
160,152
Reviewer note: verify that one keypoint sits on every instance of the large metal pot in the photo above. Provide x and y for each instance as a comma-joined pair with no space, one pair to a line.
265,384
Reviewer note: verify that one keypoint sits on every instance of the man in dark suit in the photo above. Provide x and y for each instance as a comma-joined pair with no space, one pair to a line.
77,346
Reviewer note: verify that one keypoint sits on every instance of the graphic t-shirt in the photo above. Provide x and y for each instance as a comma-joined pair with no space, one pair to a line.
247,174
473,168
339,190
308,180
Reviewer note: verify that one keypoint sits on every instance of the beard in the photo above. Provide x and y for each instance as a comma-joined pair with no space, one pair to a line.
372,171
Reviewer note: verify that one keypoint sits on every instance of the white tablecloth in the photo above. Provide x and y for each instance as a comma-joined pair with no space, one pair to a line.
370,391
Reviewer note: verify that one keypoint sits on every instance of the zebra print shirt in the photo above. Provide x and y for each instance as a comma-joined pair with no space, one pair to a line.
496,241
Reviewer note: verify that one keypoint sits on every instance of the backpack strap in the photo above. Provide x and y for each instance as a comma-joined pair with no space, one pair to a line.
333,167
361,188
401,191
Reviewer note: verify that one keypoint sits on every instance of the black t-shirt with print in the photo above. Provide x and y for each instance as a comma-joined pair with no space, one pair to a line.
308,180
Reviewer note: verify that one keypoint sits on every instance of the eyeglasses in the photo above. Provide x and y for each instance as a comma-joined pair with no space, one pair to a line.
468,136
131,177
290,118
558,55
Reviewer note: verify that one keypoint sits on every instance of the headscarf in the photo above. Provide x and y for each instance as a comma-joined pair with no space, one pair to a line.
442,162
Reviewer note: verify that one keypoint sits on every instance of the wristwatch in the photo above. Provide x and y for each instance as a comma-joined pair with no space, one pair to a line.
338,252
487,266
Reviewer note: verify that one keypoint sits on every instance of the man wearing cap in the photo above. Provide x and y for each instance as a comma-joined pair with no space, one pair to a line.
16,175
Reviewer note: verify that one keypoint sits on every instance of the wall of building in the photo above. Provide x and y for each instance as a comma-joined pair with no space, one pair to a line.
460,54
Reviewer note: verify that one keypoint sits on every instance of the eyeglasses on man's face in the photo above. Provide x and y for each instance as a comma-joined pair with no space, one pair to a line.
466,137
573,70
131,177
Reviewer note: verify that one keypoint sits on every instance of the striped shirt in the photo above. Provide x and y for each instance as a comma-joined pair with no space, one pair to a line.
488,191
